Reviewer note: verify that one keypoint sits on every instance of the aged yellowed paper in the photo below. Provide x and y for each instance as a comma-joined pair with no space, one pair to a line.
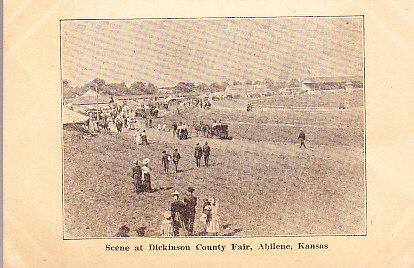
208,134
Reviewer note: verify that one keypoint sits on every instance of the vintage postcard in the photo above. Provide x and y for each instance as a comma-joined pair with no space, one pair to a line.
208,134
213,126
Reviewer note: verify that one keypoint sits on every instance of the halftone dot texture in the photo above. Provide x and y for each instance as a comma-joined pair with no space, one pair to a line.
167,51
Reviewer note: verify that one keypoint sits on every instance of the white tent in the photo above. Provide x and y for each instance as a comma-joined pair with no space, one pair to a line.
72,117
91,97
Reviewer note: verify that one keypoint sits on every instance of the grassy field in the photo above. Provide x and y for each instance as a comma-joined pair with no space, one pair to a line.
265,184
329,98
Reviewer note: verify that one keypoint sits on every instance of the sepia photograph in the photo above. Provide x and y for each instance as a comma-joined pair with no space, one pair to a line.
213,127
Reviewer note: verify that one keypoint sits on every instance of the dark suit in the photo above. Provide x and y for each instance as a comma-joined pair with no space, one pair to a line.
198,152
206,153
178,215
190,203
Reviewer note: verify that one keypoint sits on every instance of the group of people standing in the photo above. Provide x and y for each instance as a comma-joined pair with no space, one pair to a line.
141,172
142,176
180,130
199,152
202,151
166,158
141,138
179,220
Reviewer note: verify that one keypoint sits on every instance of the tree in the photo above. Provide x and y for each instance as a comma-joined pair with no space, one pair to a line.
280,84
269,82
98,82
224,85
185,87
138,87
236,83
215,87
202,87
294,82
151,89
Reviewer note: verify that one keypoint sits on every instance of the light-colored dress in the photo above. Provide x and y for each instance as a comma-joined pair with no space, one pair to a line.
146,178
167,228
213,227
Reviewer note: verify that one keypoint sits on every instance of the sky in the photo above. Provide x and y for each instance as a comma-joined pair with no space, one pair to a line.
167,51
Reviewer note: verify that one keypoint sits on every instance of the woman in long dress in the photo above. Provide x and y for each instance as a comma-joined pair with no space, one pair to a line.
213,226
205,215
146,183
137,176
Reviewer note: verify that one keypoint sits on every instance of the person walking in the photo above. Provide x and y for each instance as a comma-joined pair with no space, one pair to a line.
190,202
144,139
301,138
178,214
165,160
125,120
118,125
176,158
198,152
178,131
137,176
175,126
146,183
206,153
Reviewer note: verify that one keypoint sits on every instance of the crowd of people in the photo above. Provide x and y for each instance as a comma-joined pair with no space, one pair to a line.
180,218
142,176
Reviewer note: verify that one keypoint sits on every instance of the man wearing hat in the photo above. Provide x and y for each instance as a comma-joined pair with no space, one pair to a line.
144,139
190,202
178,214
165,160
176,158
301,138
175,126
198,152
137,176
206,153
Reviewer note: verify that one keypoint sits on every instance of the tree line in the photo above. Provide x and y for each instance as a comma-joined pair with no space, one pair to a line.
139,87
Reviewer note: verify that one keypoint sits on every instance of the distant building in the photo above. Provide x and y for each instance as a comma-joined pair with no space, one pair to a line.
166,90
247,90
332,83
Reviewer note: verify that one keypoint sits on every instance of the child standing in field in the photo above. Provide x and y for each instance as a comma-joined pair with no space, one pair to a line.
301,138
166,225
